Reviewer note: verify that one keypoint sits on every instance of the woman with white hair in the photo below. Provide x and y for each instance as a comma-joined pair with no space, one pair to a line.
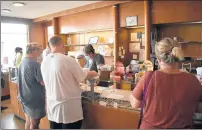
168,97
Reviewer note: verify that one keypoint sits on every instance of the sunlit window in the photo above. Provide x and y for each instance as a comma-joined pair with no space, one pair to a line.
12,36
50,32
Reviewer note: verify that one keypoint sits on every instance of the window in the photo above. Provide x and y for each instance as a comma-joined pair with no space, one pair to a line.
12,36
50,32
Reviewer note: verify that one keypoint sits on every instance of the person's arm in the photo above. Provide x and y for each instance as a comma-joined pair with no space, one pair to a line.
135,103
42,83
86,64
91,74
79,73
100,61
136,96
37,74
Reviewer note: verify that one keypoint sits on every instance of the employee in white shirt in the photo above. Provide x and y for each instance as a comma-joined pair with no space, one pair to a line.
62,75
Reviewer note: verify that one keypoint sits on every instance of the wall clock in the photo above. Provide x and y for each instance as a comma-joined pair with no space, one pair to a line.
131,21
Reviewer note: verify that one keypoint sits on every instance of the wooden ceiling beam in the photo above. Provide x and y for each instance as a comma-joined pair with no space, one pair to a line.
78,9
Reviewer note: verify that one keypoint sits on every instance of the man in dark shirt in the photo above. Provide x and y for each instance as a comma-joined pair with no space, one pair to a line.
31,91
93,60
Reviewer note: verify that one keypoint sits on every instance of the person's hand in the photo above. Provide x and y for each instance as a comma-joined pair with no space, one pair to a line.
86,69
92,75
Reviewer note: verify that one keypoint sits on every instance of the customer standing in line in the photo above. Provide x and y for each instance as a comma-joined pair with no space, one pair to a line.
171,95
62,75
31,87
18,56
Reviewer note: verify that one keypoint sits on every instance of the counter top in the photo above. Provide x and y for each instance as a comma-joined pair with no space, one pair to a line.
109,92
110,97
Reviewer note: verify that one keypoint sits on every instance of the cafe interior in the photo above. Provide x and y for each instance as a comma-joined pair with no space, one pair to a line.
123,32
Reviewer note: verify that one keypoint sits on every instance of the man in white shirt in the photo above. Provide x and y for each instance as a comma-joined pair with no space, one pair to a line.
62,75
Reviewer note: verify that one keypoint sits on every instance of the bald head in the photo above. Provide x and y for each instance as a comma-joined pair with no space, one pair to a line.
56,44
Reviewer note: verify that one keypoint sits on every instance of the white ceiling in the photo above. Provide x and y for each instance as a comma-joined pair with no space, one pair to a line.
35,9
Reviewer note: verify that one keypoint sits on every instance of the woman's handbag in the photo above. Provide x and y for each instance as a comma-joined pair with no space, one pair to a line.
143,98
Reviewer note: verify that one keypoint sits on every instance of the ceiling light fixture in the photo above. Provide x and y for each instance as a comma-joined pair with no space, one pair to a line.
18,4
6,10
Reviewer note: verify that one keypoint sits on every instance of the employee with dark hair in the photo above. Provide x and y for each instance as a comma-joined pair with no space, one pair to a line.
93,60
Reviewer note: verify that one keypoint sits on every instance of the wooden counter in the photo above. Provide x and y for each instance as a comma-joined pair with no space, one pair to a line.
101,117
95,115
5,90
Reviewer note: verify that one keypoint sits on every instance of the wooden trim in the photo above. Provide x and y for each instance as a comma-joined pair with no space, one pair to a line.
147,15
55,26
48,23
141,43
115,28
79,9
45,27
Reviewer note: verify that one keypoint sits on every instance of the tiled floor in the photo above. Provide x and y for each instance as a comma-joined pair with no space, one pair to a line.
8,121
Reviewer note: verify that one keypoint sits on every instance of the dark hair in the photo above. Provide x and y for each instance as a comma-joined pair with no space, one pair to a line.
89,49
18,49
55,40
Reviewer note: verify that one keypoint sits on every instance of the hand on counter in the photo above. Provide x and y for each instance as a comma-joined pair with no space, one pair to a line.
91,74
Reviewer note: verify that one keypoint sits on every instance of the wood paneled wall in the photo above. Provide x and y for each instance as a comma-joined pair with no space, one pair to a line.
37,34
142,50
176,11
162,12
135,8
193,50
184,32
124,40
83,38
89,20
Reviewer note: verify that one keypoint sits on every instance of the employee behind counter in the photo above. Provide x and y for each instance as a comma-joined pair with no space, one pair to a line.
94,61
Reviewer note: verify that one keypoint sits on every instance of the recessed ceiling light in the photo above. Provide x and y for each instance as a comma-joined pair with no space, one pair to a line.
18,4
6,10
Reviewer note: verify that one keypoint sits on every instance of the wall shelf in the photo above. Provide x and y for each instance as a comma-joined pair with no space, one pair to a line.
88,31
135,27
191,42
85,45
